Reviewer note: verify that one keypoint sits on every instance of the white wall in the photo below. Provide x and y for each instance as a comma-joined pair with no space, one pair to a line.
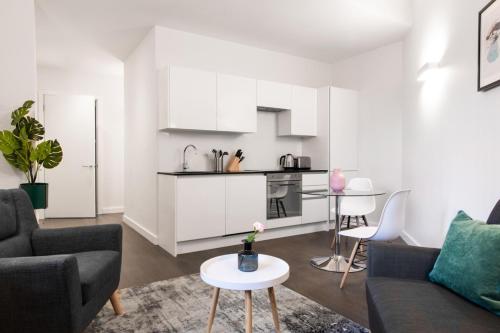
262,149
148,151
451,136
17,69
108,89
141,153
377,76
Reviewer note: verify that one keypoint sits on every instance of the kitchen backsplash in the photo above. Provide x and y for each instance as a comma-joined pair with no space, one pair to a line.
262,149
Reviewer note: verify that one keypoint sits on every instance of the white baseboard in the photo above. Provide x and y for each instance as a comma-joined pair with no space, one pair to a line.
213,243
112,210
140,229
409,239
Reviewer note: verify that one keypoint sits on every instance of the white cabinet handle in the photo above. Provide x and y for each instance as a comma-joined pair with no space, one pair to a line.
88,166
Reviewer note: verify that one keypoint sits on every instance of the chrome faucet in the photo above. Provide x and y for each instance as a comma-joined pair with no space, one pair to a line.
185,165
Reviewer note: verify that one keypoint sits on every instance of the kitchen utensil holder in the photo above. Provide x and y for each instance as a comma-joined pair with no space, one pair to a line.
233,165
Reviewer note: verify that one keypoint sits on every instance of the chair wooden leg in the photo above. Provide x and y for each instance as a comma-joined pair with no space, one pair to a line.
211,317
351,260
116,303
348,222
274,309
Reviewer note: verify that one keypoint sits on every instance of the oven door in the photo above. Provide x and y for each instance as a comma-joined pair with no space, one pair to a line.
283,197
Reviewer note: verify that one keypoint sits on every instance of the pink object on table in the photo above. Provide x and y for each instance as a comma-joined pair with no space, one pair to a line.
337,180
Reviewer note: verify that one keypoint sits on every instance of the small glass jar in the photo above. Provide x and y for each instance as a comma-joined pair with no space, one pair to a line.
248,260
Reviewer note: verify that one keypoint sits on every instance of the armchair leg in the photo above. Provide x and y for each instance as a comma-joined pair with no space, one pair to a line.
116,303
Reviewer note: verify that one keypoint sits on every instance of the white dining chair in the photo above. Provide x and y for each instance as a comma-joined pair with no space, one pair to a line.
391,225
358,207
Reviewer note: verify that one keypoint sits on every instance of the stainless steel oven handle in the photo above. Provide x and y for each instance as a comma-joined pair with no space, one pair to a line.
316,197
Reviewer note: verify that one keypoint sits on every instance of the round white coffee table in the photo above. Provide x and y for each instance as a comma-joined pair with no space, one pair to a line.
222,272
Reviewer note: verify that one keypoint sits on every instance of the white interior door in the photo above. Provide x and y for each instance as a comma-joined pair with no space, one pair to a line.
72,185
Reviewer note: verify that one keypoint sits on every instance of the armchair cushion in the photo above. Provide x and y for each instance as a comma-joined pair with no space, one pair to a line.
405,305
400,261
97,269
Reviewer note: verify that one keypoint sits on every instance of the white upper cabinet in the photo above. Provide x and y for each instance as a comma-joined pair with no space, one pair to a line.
188,99
343,129
274,95
245,202
236,104
301,120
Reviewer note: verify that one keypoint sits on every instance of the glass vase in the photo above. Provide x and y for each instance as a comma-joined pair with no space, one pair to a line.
248,260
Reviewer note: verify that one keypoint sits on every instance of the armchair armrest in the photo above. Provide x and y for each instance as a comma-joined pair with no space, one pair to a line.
39,294
400,261
81,239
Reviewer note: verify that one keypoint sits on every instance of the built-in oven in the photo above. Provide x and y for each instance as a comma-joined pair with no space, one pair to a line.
283,197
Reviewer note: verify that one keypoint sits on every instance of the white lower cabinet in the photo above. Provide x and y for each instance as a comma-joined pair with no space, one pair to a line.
245,202
200,207
314,207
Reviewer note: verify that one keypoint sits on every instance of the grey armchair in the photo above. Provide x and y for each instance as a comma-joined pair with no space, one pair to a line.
54,280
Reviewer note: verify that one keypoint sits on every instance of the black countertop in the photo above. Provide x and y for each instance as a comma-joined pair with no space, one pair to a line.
243,172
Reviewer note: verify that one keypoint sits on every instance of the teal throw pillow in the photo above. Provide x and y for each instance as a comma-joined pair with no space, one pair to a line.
469,262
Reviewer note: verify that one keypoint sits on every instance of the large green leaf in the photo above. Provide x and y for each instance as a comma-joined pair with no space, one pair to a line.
22,160
41,152
8,142
34,129
21,112
12,160
55,155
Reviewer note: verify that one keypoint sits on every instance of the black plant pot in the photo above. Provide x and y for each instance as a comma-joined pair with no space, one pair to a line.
38,193
248,260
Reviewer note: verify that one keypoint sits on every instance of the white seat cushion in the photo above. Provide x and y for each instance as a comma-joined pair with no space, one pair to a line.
361,232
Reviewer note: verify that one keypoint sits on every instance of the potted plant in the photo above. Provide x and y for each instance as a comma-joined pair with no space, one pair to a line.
22,149
248,260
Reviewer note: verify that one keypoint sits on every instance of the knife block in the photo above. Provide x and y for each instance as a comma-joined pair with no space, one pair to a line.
233,165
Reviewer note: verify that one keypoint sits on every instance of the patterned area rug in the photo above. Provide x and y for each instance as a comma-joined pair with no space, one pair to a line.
182,305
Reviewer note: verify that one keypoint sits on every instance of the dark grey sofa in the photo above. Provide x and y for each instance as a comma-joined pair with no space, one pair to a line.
53,280
401,299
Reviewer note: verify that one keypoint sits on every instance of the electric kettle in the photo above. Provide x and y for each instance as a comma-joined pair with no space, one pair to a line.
287,161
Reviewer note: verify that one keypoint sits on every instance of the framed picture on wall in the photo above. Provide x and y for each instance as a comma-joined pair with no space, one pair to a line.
489,47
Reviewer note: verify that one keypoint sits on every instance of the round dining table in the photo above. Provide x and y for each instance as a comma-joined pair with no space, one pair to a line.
336,262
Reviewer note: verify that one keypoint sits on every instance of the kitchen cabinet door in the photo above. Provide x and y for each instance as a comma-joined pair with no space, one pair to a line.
343,129
201,203
301,120
189,99
274,95
314,209
245,202
236,104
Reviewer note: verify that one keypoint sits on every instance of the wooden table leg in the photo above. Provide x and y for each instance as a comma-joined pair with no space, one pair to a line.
215,300
248,307
274,309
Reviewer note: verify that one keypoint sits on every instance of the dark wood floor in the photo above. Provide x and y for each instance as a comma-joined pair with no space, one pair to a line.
144,263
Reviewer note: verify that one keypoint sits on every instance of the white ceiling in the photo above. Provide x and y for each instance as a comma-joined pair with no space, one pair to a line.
99,34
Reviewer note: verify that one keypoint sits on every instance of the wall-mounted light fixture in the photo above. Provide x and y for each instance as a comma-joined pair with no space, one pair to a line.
428,70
